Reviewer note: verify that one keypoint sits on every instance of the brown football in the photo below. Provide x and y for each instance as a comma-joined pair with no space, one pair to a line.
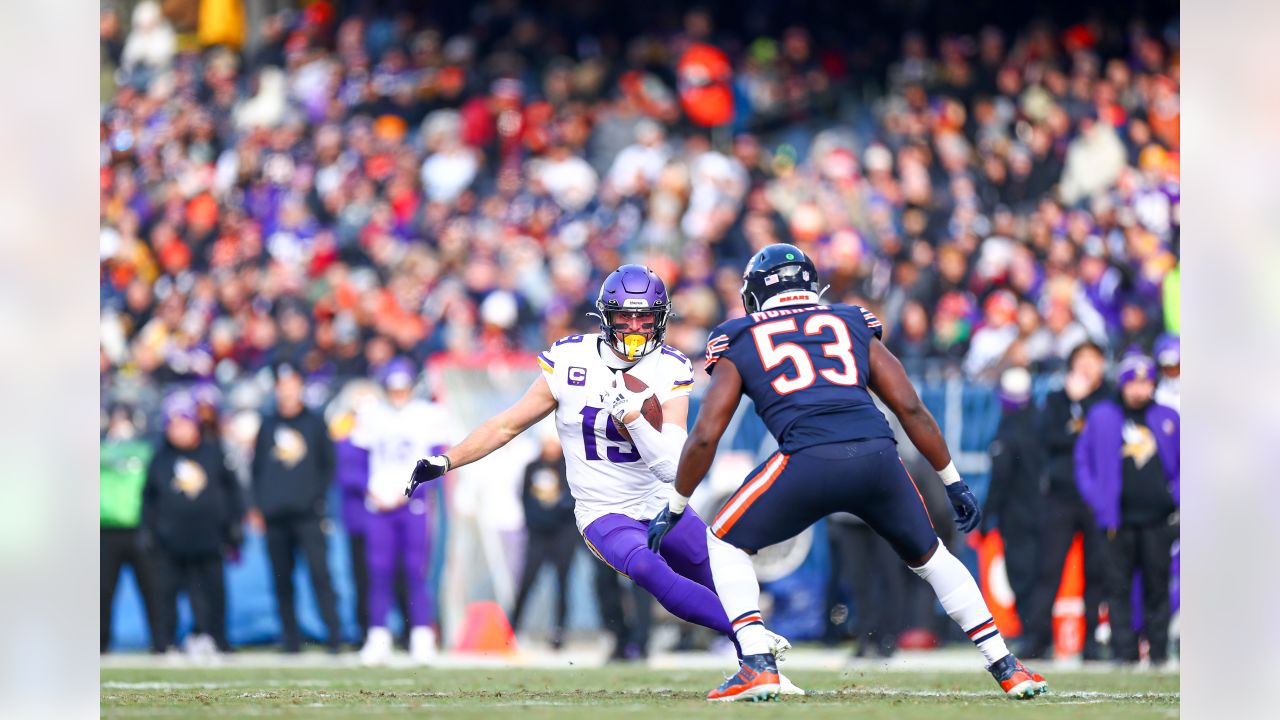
651,409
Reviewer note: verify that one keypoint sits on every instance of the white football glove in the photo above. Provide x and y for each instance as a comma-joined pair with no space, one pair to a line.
621,402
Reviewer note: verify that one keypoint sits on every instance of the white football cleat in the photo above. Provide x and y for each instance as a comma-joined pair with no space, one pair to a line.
377,647
786,687
422,644
780,644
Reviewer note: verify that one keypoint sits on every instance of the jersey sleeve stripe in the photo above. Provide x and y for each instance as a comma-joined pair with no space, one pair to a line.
546,365
716,346
668,350
543,357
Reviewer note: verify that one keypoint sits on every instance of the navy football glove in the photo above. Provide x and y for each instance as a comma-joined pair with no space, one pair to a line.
661,525
968,515
425,471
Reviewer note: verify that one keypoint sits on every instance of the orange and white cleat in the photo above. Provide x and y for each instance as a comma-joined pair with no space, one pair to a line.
1017,681
757,679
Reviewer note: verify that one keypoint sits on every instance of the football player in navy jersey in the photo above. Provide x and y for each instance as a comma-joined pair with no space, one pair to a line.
810,369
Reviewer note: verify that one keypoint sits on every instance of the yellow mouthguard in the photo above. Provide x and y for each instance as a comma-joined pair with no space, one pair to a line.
633,343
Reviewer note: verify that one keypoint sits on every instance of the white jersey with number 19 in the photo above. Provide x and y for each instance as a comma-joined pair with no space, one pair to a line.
606,472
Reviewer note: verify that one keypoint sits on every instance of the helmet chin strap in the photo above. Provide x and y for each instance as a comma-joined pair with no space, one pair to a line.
612,357
799,297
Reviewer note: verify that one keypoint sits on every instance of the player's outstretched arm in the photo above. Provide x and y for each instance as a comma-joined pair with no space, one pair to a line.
890,383
492,434
500,429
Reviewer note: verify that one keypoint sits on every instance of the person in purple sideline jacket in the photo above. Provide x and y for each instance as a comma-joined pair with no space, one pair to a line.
1127,469
351,475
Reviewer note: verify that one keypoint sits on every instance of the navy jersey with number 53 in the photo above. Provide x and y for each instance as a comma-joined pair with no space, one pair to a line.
806,369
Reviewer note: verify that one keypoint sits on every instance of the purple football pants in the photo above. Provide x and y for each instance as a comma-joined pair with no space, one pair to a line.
398,537
679,578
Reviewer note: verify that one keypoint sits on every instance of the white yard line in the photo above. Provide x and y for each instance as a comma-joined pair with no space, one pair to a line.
301,682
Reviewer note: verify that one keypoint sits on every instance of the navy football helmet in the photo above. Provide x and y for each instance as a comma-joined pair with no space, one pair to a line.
778,269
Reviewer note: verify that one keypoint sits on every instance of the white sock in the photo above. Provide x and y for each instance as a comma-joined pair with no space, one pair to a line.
739,592
960,597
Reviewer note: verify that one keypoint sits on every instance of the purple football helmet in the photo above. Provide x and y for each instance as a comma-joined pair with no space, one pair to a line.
633,290
398,374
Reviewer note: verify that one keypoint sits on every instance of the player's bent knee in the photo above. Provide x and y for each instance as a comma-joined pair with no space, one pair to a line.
649,571
920,560
640,561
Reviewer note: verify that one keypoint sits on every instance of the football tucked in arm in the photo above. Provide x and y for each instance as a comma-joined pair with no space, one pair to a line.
650,410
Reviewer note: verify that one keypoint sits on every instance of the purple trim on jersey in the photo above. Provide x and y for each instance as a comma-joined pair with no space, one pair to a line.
668,350
681,383
546,359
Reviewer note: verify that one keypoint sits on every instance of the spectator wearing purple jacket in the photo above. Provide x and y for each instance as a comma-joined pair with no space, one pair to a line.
351,475
1127,469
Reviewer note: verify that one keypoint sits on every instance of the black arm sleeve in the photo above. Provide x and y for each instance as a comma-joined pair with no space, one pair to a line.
235,495
1004,466
1055,426
150,493
258,465
526,490
566,495
326,461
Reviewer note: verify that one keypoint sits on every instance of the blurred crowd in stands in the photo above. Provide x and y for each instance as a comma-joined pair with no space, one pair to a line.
357,187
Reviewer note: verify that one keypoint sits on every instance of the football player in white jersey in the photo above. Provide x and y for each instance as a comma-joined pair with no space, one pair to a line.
395,432
619,482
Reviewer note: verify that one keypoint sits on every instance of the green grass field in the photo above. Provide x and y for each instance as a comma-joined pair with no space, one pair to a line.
613,691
